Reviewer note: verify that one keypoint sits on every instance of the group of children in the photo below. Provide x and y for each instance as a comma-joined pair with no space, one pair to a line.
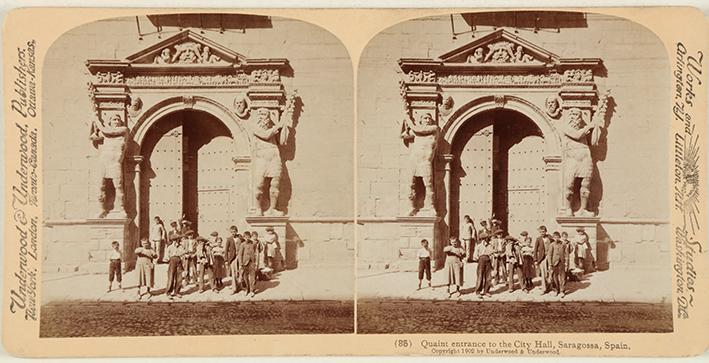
190,257
554,257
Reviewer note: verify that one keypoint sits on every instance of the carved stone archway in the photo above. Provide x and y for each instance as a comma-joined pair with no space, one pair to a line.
499,71
187,72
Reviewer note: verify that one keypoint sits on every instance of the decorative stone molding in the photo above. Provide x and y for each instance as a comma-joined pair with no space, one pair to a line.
192,81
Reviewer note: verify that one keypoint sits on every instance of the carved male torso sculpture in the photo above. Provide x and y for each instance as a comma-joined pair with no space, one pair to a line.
267,161
424,136
111,140
577,160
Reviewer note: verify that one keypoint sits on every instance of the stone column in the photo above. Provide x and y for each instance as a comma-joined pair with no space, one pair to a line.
448,158
553,188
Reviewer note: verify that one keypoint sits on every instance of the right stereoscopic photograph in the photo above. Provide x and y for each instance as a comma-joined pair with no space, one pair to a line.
513,176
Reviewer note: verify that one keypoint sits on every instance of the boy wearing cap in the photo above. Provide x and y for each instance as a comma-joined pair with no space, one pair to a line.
528,271
580,250
190,260
174,253
248,262
483,253
230,250
541,245
205,260
513,255
271,247
557,256
499,259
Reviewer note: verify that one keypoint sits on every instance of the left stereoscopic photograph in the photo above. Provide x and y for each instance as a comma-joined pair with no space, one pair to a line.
198,178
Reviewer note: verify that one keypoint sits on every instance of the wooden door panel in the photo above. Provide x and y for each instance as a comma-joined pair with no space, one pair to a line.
476,180
166,179
525,188
215,185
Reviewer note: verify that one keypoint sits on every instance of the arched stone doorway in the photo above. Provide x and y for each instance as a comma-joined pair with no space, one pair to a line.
188,172
498,169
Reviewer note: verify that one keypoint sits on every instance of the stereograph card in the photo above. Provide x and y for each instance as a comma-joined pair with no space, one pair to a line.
437,182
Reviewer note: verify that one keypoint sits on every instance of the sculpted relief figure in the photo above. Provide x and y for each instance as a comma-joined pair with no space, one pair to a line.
164,58
477,56
110,140
422,138
577,160
267,164
552,107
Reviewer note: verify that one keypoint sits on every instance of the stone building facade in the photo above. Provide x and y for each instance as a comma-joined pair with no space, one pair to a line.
189,99
501,96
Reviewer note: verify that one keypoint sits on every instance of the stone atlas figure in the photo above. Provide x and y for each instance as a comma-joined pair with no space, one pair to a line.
267,161
110,140
422,139
577,154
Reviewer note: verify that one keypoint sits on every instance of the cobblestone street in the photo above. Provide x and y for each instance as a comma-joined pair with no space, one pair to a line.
86,319
420,316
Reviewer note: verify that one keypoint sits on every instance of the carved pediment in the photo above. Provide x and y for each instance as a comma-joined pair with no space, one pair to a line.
186,48
499,48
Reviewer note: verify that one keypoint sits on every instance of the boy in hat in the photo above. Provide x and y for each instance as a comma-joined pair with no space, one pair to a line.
114,265
483,253
190,265
528,271
174,231
205,260
541,245
513,255
557,256
271,247
499,259
248,262
158,238
580,249
174,252
232,244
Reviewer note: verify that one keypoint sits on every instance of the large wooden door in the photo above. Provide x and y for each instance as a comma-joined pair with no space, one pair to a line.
525,185
475,176
215,184
165,177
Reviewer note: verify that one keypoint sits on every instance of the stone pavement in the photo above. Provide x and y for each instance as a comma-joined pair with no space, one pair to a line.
302,283
650,284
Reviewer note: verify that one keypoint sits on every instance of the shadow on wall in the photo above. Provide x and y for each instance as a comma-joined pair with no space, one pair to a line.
598,153
604,243
287,154
292,243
